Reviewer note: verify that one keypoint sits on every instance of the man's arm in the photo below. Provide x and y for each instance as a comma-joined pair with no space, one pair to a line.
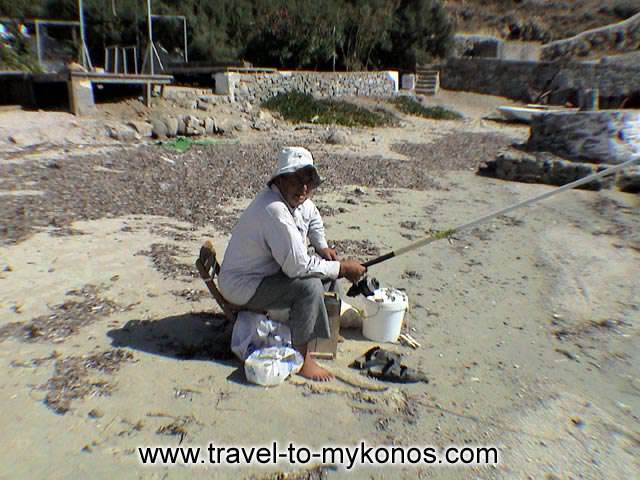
317,236
288,249
316,230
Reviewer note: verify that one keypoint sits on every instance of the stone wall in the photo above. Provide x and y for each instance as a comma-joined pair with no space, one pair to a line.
476,46
257,87
525,51
621,37
192,98
610,137
522,80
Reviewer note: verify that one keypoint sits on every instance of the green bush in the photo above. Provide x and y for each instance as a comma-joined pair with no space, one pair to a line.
300,107
411,106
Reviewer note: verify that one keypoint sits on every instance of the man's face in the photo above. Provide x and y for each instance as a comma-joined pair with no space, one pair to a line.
297,187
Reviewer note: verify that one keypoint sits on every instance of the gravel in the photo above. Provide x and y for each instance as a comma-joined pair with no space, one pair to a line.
65,319
201,182
75,378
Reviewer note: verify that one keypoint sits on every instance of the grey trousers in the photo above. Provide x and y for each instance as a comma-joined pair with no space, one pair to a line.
304,297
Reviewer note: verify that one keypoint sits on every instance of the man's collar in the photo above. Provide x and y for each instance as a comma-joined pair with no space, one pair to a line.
274,188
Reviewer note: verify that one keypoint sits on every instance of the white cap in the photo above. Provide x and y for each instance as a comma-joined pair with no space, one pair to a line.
292,159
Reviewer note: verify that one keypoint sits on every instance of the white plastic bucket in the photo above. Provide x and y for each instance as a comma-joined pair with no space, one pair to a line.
384,313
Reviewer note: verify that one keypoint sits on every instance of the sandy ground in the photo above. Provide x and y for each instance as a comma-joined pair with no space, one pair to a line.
528,325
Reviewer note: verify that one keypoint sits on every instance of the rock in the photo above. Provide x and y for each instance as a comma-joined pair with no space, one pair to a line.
122,133
171,124
202,105
265,117
209,126
603,136
240,125
144,129
258,125
159,129
629,180
336,137
18,139
188,104
96,413
541,168
182,126
194,126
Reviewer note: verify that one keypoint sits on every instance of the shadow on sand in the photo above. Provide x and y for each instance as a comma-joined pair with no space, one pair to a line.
189,336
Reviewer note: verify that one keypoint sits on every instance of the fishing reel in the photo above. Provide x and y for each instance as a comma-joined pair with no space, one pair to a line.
365,286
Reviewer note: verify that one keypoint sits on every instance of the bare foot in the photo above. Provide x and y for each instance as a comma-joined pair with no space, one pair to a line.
313,371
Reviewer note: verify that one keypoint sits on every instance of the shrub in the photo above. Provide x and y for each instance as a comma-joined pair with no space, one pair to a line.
411,106
300,107
626,8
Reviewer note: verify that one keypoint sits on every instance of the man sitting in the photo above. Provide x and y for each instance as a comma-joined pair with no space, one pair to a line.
267,266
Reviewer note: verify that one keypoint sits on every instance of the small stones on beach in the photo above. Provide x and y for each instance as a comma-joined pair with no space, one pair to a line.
95,413
202,197
409,224
356,248
191,294
411,274
163,258
578,422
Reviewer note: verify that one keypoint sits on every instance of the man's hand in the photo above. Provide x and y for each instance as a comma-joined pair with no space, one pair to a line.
352,270
327,253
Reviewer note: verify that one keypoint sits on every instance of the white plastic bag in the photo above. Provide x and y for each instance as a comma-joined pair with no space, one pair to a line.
253,331
272,365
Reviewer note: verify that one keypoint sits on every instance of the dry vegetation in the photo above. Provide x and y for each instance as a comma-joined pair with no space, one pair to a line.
539,20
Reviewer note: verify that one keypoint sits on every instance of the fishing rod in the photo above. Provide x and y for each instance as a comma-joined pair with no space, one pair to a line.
367,285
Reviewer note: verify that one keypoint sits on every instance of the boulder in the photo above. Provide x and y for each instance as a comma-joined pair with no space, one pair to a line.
158,128
210,126
629,180
144,129
172,125
182,126
542,168
122,133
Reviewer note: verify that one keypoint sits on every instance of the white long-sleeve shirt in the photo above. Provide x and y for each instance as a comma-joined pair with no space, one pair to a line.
269,237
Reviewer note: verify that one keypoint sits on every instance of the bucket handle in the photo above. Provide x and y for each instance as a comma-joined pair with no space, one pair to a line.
364,311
